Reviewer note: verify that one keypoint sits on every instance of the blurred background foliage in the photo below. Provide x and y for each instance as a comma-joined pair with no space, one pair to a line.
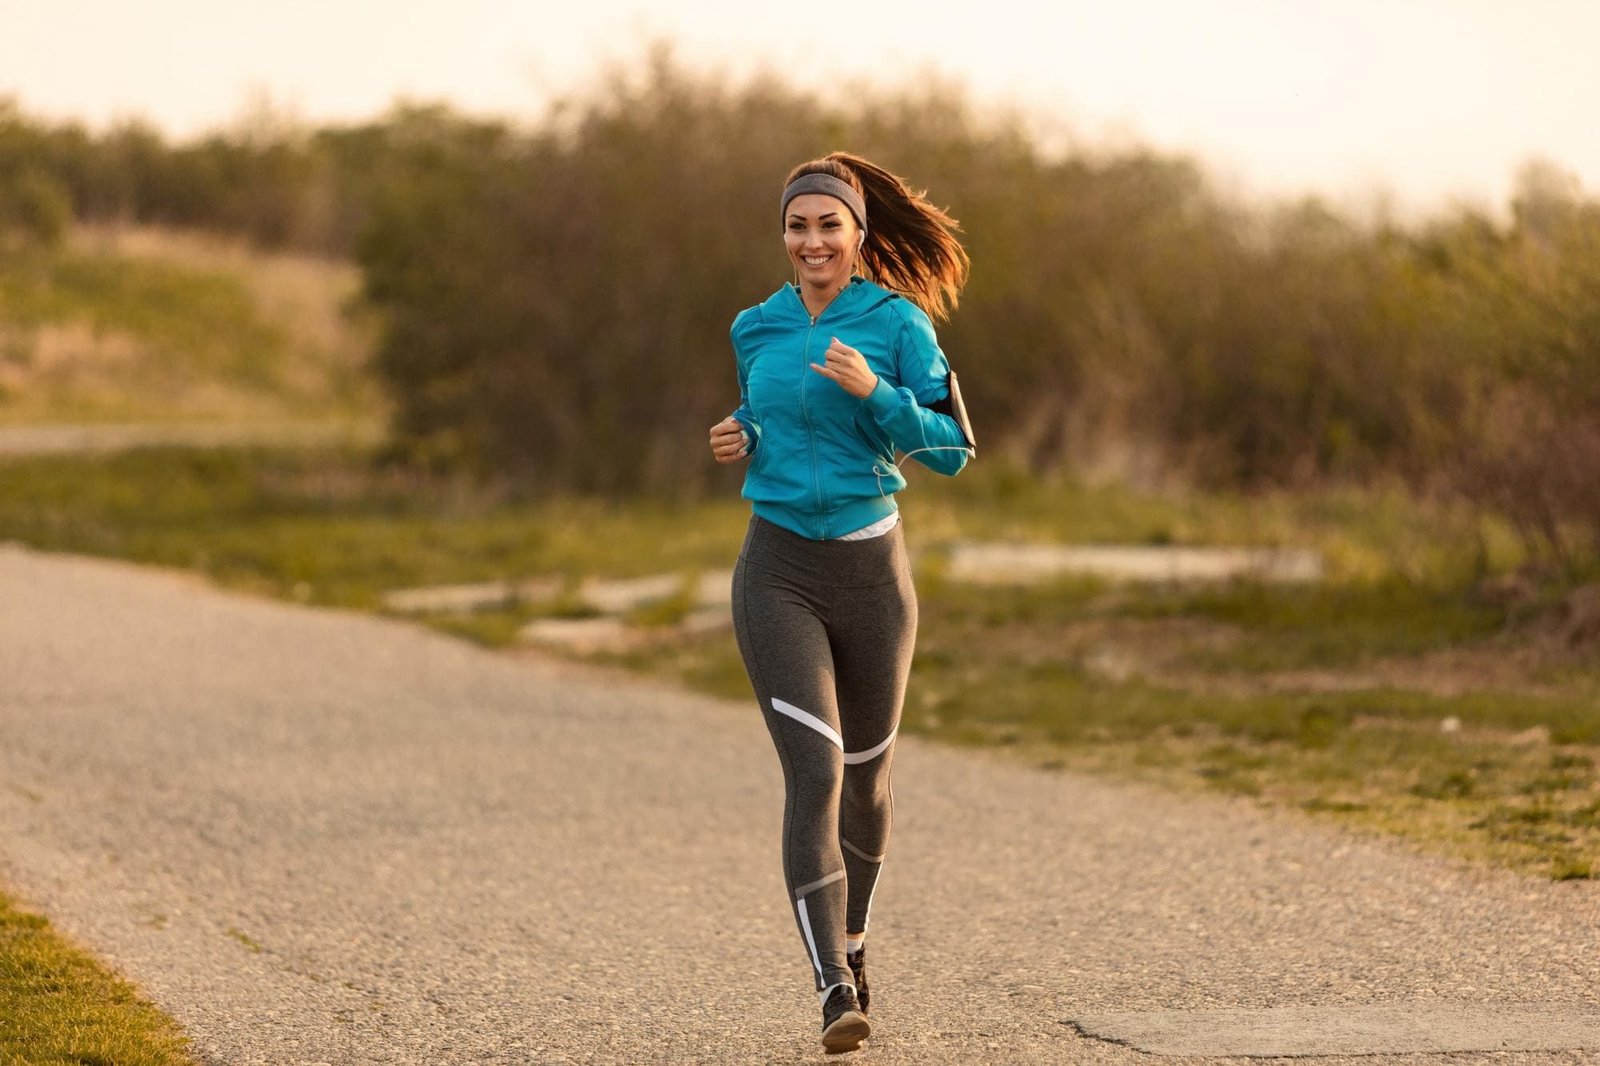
553,298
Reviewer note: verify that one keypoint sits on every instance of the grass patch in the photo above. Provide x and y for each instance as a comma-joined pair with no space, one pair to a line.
1339,624
1363,534
144,326
58,1005
335,528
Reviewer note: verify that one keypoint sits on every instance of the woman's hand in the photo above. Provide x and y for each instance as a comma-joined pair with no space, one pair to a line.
848,369
728,441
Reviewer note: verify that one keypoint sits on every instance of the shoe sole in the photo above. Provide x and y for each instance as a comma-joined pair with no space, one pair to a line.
846,1033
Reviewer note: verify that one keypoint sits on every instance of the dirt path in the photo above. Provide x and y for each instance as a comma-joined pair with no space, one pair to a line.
318,837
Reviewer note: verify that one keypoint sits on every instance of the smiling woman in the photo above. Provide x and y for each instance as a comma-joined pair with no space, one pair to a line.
910,247
836,374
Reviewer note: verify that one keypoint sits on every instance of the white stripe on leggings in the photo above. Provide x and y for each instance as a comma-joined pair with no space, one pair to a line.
858,853
806,718
853,758
811,943
821,882
866,919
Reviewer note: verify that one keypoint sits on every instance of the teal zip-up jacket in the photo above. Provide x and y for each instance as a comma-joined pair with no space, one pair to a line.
822,462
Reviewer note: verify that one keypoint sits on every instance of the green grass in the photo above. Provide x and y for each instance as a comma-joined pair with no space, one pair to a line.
1327,625
59,1007
204,326
1363,534
333,529
195,315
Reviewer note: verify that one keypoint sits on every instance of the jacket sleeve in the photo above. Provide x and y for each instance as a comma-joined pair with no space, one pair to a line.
745,416
904,413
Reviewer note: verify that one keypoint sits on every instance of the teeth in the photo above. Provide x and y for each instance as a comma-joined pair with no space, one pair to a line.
816,261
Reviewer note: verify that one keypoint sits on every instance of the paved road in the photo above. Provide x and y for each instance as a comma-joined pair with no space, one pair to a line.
318,837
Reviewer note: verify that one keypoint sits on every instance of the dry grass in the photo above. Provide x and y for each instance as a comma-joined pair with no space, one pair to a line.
304,295
146,325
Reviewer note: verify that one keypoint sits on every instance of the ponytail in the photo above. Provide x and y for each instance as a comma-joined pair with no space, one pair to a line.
911,245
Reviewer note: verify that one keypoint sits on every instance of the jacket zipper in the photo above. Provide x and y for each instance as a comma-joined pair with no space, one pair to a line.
805,413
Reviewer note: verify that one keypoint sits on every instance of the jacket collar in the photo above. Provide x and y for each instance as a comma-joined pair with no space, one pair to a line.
786,304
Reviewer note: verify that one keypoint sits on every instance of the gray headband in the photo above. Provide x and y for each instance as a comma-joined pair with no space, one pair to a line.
828,185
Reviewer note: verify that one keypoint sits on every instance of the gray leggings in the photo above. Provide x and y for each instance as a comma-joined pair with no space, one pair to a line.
826,628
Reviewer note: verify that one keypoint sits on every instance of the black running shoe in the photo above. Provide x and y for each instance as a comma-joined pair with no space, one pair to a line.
858,967
843,1024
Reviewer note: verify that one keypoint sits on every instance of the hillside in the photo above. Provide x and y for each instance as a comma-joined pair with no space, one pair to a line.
140,325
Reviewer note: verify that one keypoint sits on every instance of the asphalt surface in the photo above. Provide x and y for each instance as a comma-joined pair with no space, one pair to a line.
319,837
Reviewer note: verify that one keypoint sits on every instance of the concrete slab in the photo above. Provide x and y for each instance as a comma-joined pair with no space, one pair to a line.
1004,564
1389,1029
581,635
607,597
628,594
464,599
707,620
621,596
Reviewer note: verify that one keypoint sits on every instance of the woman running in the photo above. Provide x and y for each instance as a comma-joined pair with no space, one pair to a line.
836,374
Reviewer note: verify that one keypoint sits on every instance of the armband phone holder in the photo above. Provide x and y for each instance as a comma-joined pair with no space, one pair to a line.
958,411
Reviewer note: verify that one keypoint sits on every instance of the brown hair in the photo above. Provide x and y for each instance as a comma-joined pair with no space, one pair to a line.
911,245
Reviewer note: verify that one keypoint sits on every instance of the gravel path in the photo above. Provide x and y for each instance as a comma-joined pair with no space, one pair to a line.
319,837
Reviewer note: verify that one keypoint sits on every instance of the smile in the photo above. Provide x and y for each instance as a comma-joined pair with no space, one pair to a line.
815,260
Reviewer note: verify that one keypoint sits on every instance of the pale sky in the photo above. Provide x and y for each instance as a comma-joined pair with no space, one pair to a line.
1425,101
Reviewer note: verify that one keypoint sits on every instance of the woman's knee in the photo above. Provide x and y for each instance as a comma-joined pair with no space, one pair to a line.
865,787
816,779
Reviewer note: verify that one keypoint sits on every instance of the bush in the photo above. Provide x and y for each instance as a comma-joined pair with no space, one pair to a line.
35,210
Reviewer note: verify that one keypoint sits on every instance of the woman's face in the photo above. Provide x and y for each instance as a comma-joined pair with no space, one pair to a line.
821,236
